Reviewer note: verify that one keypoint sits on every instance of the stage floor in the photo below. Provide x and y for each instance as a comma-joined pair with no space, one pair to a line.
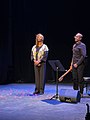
18,103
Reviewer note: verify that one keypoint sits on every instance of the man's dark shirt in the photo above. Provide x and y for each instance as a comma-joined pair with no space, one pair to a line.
79,53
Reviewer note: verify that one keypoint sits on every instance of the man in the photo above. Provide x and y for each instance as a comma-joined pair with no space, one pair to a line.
39,54
78,63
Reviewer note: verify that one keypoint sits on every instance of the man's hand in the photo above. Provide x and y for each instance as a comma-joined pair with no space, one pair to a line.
75,65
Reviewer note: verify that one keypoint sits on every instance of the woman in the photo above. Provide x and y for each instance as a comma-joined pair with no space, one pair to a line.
39,54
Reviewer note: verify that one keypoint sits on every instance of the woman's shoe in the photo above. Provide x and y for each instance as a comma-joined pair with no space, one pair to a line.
36,92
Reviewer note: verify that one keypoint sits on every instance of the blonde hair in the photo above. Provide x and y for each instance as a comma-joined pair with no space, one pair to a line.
37,43
39,34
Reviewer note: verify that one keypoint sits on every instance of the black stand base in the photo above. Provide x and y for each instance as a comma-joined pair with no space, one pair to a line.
57,66
55,97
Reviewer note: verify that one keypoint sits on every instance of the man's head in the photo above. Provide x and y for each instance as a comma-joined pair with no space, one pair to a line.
78,37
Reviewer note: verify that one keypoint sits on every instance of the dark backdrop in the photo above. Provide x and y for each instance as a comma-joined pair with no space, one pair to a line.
57,20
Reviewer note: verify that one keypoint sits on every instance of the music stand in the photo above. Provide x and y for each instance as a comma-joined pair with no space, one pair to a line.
56,66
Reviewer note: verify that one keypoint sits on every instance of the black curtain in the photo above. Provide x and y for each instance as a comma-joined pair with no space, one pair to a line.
58,21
